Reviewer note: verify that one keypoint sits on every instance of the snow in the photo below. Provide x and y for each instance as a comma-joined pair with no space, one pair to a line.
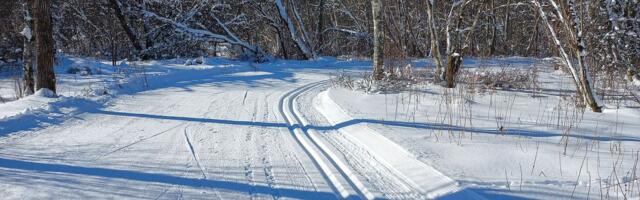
26,32
503,144
417,174
220,128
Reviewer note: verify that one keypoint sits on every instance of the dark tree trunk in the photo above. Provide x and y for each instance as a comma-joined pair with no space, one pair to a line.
283,48
319,29
453,66
507,30
44,43
492,41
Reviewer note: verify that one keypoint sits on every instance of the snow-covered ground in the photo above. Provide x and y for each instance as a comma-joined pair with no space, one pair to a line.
503,144
235,130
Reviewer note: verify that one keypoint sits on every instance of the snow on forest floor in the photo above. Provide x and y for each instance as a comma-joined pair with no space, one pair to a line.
231,129
505,144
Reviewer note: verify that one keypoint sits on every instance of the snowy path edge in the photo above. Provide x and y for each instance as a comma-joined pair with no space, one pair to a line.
433,183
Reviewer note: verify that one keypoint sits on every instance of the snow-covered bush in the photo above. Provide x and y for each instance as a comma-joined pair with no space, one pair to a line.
195,61
505,78
391,83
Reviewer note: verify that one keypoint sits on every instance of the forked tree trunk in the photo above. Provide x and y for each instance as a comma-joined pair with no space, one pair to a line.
378,39
581,52
27,52
300,41
580,74
44,43
454,60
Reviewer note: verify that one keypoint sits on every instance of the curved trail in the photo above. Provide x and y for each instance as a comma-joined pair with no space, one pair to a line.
397,173
292,117
214,140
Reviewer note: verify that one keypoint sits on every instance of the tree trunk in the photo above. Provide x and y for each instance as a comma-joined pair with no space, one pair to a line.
453,66
580,75
320,27
44,43
506,28
378,39
27,52
581,52
435,48
283,47
300,42
492,41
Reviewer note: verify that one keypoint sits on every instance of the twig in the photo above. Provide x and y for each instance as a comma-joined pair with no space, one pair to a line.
535,158
586,150
507,178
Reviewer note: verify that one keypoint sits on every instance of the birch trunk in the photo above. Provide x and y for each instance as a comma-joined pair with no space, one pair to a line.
581,51
581,78
378,39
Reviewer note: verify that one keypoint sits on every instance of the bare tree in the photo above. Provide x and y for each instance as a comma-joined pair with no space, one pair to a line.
580,73
44,45
300,37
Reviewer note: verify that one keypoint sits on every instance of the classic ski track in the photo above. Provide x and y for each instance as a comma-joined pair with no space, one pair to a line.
385,166
288,154
404,177
380,169
392,181
370,168
294,120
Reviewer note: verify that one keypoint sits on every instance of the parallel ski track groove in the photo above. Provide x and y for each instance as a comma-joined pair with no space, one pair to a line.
296,123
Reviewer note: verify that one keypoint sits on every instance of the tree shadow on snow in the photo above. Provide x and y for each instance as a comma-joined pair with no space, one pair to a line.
220,73
161,178
427,126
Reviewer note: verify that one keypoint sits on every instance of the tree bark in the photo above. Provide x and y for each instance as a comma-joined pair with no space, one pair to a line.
492,41
507,30
453,66
320,27
378,39
44,43
27,52
581,52
580,75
